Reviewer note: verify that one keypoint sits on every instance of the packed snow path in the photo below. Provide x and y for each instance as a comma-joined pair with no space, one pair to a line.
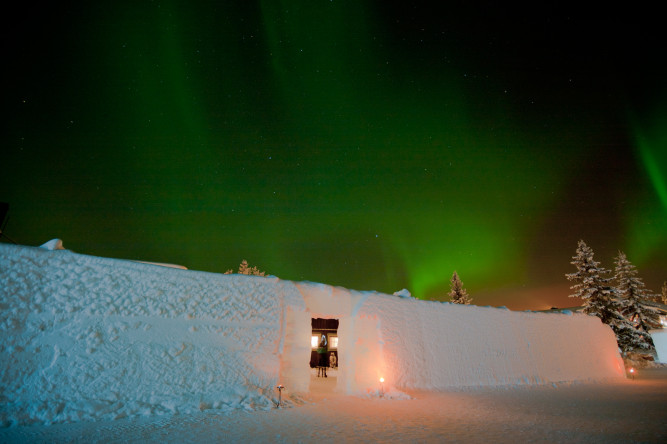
615,412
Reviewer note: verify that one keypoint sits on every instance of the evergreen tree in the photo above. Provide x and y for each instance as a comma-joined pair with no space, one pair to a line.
458,294
601,299
246,269
629,338
633,296
590,286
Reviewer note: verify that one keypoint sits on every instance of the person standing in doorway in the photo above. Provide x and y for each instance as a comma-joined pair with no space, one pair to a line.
322,353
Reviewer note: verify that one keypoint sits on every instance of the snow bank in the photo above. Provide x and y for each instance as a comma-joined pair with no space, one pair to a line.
84,337
660,341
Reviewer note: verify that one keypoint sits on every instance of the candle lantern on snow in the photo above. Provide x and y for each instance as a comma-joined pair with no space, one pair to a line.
280,388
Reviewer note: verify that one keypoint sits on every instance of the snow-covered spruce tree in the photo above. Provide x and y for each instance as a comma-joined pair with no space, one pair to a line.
589,285
601,299
458,294
244,268
633,296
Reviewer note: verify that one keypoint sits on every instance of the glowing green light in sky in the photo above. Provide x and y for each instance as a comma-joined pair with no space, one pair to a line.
404,154
652,151
648,220
368,145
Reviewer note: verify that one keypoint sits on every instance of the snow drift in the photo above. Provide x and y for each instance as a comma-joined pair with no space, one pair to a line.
85,337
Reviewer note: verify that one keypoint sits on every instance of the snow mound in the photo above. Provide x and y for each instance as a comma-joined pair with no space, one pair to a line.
405,293
53,244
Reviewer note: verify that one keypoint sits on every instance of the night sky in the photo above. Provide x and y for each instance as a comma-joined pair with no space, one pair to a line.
373,145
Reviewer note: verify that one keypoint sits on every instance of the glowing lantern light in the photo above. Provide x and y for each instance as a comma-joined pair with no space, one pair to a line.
632,373
381,386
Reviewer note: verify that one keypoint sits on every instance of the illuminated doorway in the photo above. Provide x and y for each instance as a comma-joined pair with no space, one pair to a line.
324,366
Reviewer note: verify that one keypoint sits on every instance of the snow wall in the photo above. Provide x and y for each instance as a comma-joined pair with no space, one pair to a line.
84,337
418,344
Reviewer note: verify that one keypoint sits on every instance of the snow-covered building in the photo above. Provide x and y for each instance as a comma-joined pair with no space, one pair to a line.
659,335
86,337
662,312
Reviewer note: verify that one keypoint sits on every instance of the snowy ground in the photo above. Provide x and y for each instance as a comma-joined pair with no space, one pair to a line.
614,412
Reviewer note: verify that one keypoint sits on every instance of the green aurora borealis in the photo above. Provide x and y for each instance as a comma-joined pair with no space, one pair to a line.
371,145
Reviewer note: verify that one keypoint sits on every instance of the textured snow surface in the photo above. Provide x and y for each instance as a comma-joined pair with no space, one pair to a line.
85,337
445,345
